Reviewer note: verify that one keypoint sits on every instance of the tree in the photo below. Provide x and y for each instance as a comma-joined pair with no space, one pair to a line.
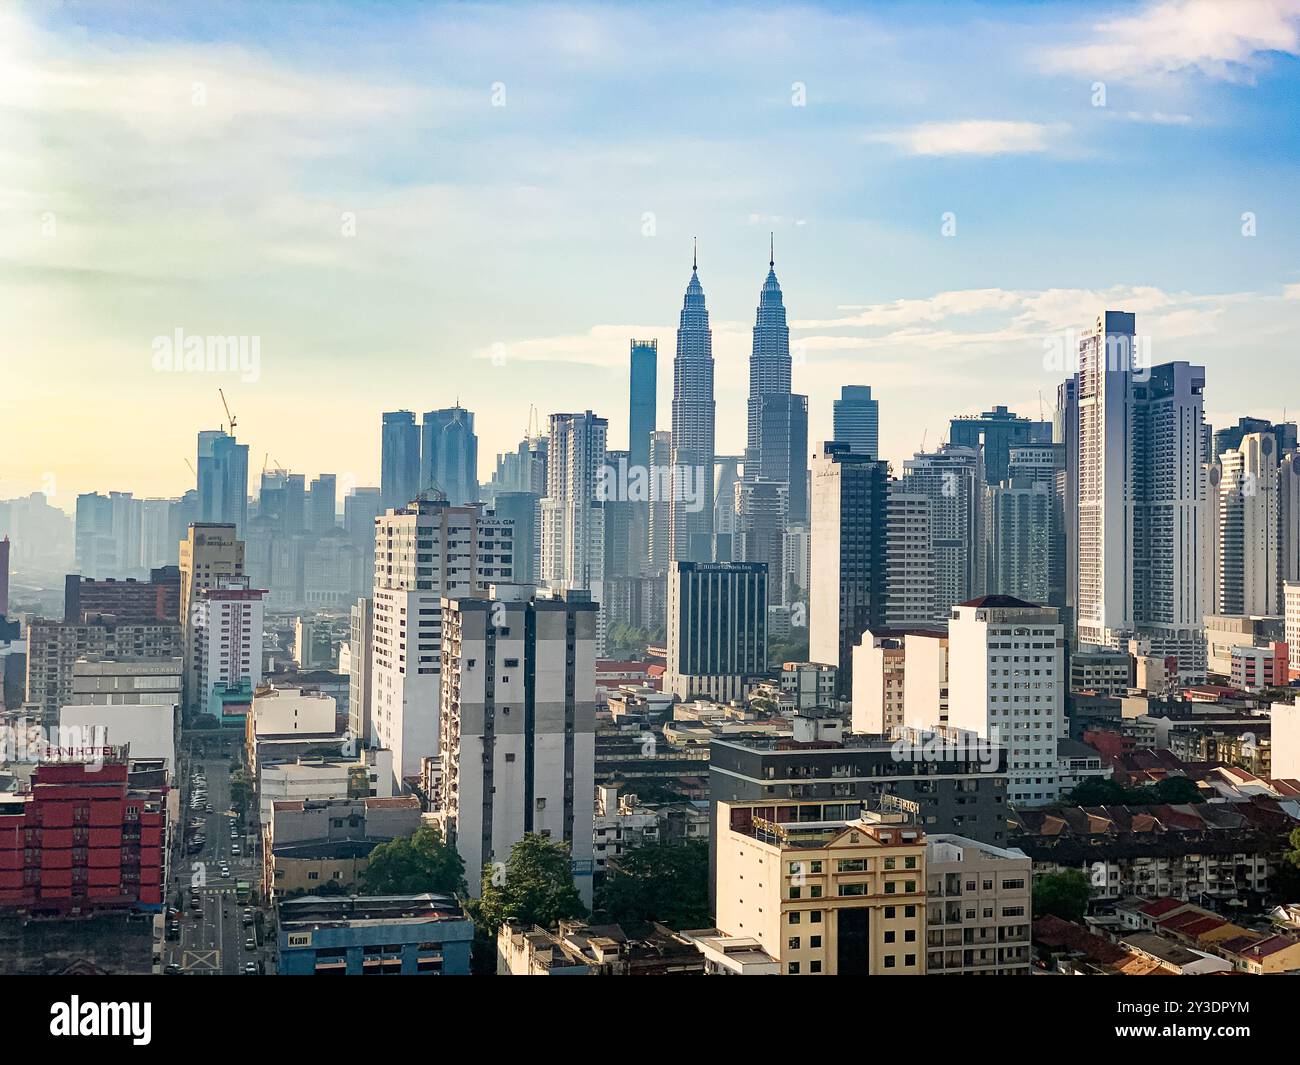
414,864
534,888
664,882
1064,894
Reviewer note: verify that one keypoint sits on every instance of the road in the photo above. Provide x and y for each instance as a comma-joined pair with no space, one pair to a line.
214,943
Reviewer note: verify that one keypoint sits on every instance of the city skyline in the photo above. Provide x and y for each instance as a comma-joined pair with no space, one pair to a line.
528,263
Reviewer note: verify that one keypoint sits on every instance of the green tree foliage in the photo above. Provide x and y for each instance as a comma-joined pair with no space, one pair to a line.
664,882
414,864
536,887
1064,894
1096,791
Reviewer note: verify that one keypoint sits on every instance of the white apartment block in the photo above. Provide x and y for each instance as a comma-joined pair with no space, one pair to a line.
1291,608
424,551
518,718
926,693
572,518
1247,574
879,683
978,908
1141,497
225,641
1007,682
910,561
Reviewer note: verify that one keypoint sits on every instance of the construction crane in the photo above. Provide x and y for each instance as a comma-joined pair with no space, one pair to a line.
229,417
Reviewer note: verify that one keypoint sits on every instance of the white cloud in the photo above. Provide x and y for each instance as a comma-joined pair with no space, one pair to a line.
1220,39
974,137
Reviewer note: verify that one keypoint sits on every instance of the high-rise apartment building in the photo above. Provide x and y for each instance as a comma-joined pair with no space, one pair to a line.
951,479
691,511
1007,678
849,556
423,551
1247,565
1141,497
518,720
717,628
225,640
857,420
399,477
909,560
572,552
360,658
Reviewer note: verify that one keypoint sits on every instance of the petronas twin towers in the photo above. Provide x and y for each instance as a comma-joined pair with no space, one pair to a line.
775,465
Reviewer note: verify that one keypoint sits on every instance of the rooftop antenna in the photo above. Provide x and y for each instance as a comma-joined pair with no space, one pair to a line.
771,249
695,254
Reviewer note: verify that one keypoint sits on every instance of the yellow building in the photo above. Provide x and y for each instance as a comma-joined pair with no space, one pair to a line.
825,888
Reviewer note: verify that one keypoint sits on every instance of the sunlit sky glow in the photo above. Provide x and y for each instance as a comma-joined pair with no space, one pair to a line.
190,165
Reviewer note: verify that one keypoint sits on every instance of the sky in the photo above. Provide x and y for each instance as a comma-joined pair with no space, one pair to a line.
406,205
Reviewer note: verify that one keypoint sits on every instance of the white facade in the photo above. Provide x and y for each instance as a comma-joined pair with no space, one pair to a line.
1007,683
1284,737
225,638
1291,606
423,551
518,719
925,696
149,728
910,583
370,776
291,712
1247,567
571,515
879,684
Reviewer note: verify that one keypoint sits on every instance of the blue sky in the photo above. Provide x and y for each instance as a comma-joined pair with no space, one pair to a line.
524,181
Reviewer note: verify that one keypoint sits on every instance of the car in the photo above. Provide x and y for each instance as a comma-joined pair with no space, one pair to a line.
171,970
250,943
250,968
235,850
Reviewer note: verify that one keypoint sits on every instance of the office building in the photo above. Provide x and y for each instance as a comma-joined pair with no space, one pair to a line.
322,504
399,478
849,556
825,889
717,628
518,710
690,513
224,647
761,512
449,455
222,480
373,935
994,433
643,373
857,420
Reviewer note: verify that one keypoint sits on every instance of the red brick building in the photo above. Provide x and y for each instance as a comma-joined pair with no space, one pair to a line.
82,840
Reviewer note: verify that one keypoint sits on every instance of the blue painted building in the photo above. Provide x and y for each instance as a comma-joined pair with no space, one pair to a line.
374,935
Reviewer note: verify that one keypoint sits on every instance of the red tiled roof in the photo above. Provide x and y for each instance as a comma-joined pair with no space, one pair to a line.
1162,906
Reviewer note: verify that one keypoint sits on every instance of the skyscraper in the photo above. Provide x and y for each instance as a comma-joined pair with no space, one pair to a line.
849,556
424,551
717,628
399,478
223,479
322,504
998,430
857,420
449,455
950,479
643,382
572,553
691,513
1248,579
776,444
1142,495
